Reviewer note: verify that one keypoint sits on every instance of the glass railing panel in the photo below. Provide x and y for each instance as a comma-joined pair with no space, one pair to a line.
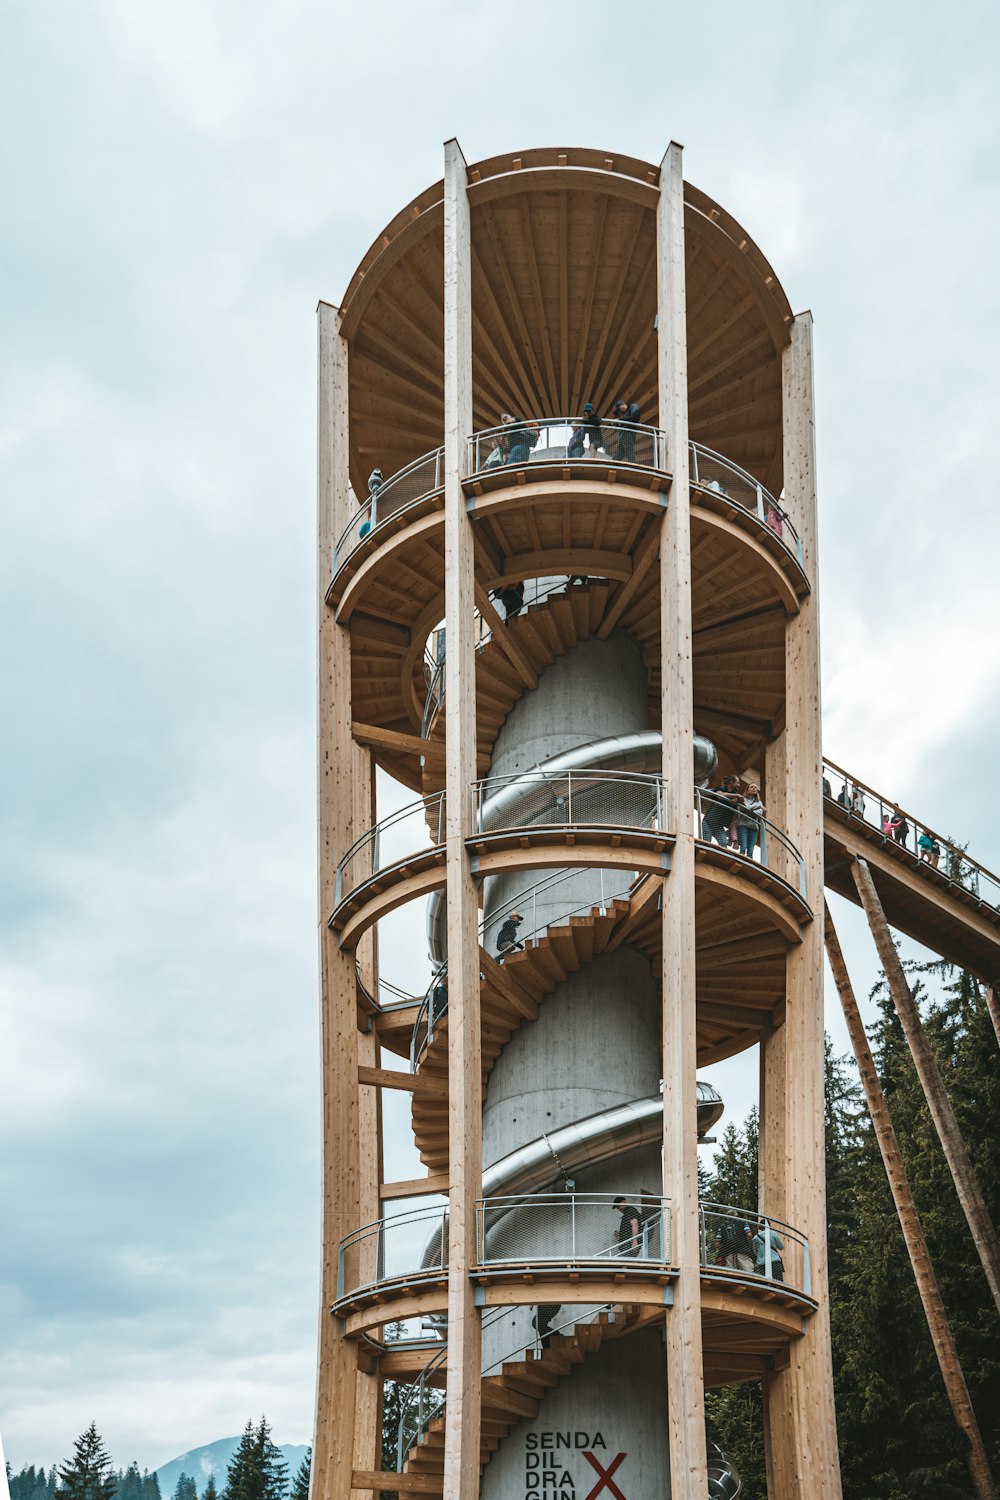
551,439
722,821
422,477
716,474
411,830
391,1248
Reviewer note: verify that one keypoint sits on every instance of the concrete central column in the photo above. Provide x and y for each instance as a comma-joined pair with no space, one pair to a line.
594,1046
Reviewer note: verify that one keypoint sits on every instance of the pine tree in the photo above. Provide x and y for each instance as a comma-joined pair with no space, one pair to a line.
130,1483
185,1488
300,1484
210,1492
88,1475
257,1471
150,1486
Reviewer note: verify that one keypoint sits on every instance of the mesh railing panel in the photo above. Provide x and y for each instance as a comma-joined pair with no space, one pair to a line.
414,829
550,439
753,1245
620,799
392,1247
570,1228
422,477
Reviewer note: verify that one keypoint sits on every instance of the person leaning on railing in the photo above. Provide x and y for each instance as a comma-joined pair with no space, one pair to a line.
764,1236
749,814
626,414
518,439
592,427
721,805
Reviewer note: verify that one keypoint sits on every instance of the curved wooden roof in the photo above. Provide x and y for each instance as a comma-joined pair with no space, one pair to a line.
564,300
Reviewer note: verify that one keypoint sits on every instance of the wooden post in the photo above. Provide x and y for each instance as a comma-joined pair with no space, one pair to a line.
909,1222
344,798
961,1168
465,1125
685,1384
800,1425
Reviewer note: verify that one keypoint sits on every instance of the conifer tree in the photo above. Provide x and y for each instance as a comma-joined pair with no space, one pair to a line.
257,1471
300,1484
130,1483
210,1492
185,1488
150,1486
88,1475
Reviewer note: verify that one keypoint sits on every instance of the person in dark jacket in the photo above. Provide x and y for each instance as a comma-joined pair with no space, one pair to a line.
511,596
629,1227
719,810
626,414
507,936
518,438
591,425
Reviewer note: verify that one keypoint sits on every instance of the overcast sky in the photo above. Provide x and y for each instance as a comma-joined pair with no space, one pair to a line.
180,184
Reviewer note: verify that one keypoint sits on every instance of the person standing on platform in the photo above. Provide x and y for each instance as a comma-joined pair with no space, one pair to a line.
629,1227
749,814
626,414
592,427
719,805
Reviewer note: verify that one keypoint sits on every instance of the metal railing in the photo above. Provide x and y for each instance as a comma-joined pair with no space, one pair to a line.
722,822
392,1247
551,439
530,799
418,827
422,477
559,438
535,591
753,1244
900,828
570,1229
434,1005
716,474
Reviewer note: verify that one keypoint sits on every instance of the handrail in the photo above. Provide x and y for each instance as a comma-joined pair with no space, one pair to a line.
434,1006
545,797
435,662
709,469
863,804
533,439
422,812
569,1232
549,439
414,482
770,845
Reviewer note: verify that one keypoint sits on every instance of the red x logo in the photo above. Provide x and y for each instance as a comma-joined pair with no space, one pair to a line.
605,1481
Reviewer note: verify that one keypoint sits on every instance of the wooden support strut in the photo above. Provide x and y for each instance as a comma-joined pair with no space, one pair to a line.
909,1222
963,1174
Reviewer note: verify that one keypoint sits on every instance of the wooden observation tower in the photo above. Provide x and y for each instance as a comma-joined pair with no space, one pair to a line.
556,630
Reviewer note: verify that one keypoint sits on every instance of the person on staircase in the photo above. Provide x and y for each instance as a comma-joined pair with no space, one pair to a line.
629,1227
511,596
541,1321
507,941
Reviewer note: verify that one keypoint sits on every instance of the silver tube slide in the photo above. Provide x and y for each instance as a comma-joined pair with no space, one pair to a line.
515,801
543,1163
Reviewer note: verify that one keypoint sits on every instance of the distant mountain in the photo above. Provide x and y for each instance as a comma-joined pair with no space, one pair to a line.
214,1458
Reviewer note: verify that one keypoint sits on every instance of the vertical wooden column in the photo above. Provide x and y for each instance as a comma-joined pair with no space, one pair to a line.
800,1420
465,1125
909,1222
685,1383
772,1162
963,1173
344,810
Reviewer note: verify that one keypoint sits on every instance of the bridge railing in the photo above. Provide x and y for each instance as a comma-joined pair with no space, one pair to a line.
862,803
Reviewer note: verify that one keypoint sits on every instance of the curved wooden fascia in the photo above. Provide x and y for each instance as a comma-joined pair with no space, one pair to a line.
785,908
782,584
425,527
625,178
632,488
371,902
428,506
771,1306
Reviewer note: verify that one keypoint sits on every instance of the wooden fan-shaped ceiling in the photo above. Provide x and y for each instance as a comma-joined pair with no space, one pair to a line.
564,306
